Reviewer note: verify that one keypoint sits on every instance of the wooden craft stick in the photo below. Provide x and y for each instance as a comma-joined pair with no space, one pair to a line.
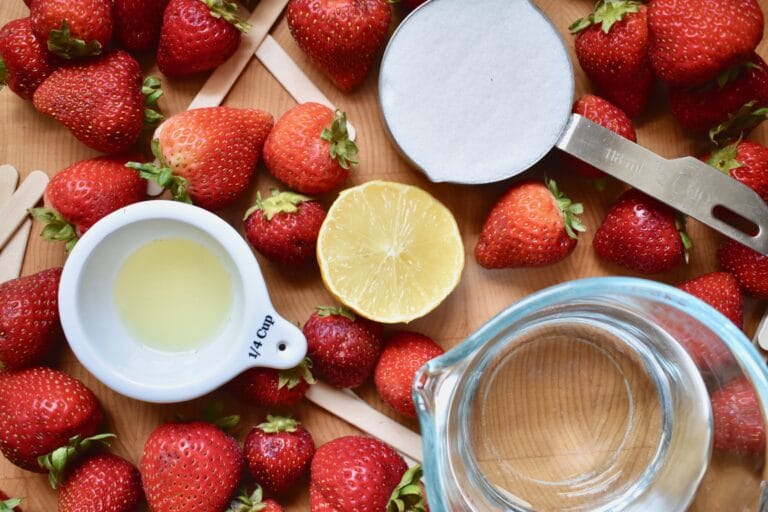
13,214
9,178
291,77
12,255
358,413
221,81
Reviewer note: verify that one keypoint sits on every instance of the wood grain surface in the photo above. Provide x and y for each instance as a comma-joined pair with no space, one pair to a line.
29,141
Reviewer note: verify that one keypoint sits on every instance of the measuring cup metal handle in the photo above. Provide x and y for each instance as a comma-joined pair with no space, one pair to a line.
688,184
274,343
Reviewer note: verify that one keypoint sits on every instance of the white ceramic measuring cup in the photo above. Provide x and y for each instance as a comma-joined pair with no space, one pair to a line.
254,334
480,91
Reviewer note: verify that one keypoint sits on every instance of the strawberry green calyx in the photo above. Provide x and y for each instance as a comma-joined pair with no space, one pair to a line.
607,13
10,504
4,75
56,229
152,92
684,237
57,461
335,310
278,202
730,74
246,503
227,11
569,209
293,377
746,118
275,424
724,159
162,174
408,495
61,43
342,149
214,413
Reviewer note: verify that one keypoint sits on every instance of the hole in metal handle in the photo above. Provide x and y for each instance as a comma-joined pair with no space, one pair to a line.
736,221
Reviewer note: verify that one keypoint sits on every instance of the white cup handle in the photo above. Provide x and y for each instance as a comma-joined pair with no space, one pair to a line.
276,343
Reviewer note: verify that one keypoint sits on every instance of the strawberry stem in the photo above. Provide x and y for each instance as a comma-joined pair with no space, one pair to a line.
684,237
724,159
607,13
279,202
227,11
335,310
56,229
152,92
569,209
341,148
10,504
59,459
162,174
246,503
738,124
275,424
61,43
4,75
408,495
292,377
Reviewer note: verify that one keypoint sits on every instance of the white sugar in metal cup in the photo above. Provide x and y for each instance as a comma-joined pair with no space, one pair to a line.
253,334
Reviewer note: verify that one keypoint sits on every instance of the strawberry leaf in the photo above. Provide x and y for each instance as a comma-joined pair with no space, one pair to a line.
408,495
275,424
569,209
56,229
4,75
59,459
738,124
246,503
724,159
228,12
684,237
279,202
61,43
152,92
607,13
335,310
10,504
214,413
292,377
341,148
163,175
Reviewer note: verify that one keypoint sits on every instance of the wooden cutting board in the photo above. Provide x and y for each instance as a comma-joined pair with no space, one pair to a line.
31,141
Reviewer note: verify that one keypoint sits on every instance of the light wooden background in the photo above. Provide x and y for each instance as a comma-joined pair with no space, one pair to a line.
30,141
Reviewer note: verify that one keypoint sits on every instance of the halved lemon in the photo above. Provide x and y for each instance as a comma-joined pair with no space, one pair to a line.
390,252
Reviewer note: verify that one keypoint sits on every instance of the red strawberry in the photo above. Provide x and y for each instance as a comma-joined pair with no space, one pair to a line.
198,35
85,192
99,483
279,453
738,421
284,227
266,387
749,267
24,58
532,225
309,149
191,162
190,466
41,409
612,48
642,234
692,41
344,348
721,291
100,102
607,115
403,355
29,319
254,503
73,28
9,504
137,23
744,161
343,37
355,473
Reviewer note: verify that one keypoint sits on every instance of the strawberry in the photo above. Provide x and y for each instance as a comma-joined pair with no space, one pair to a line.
607,115
343,37
354,473
750,268
198,35
721,291
738,421
267,387
344,348
85,192
254,503
284,227
642,234
190,466
692,41
532,225
101,102
309,149
137,23
99,483
29,319
403,355
612,48
9,504
191,163
279,453
24,59
744,161
41,409
73,28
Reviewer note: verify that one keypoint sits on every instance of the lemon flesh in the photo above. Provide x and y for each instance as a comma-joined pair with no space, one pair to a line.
390,252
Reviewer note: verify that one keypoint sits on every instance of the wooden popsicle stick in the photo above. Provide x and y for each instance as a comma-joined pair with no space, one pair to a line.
12,255
291,77
358,413
223,78
9,178
13,214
